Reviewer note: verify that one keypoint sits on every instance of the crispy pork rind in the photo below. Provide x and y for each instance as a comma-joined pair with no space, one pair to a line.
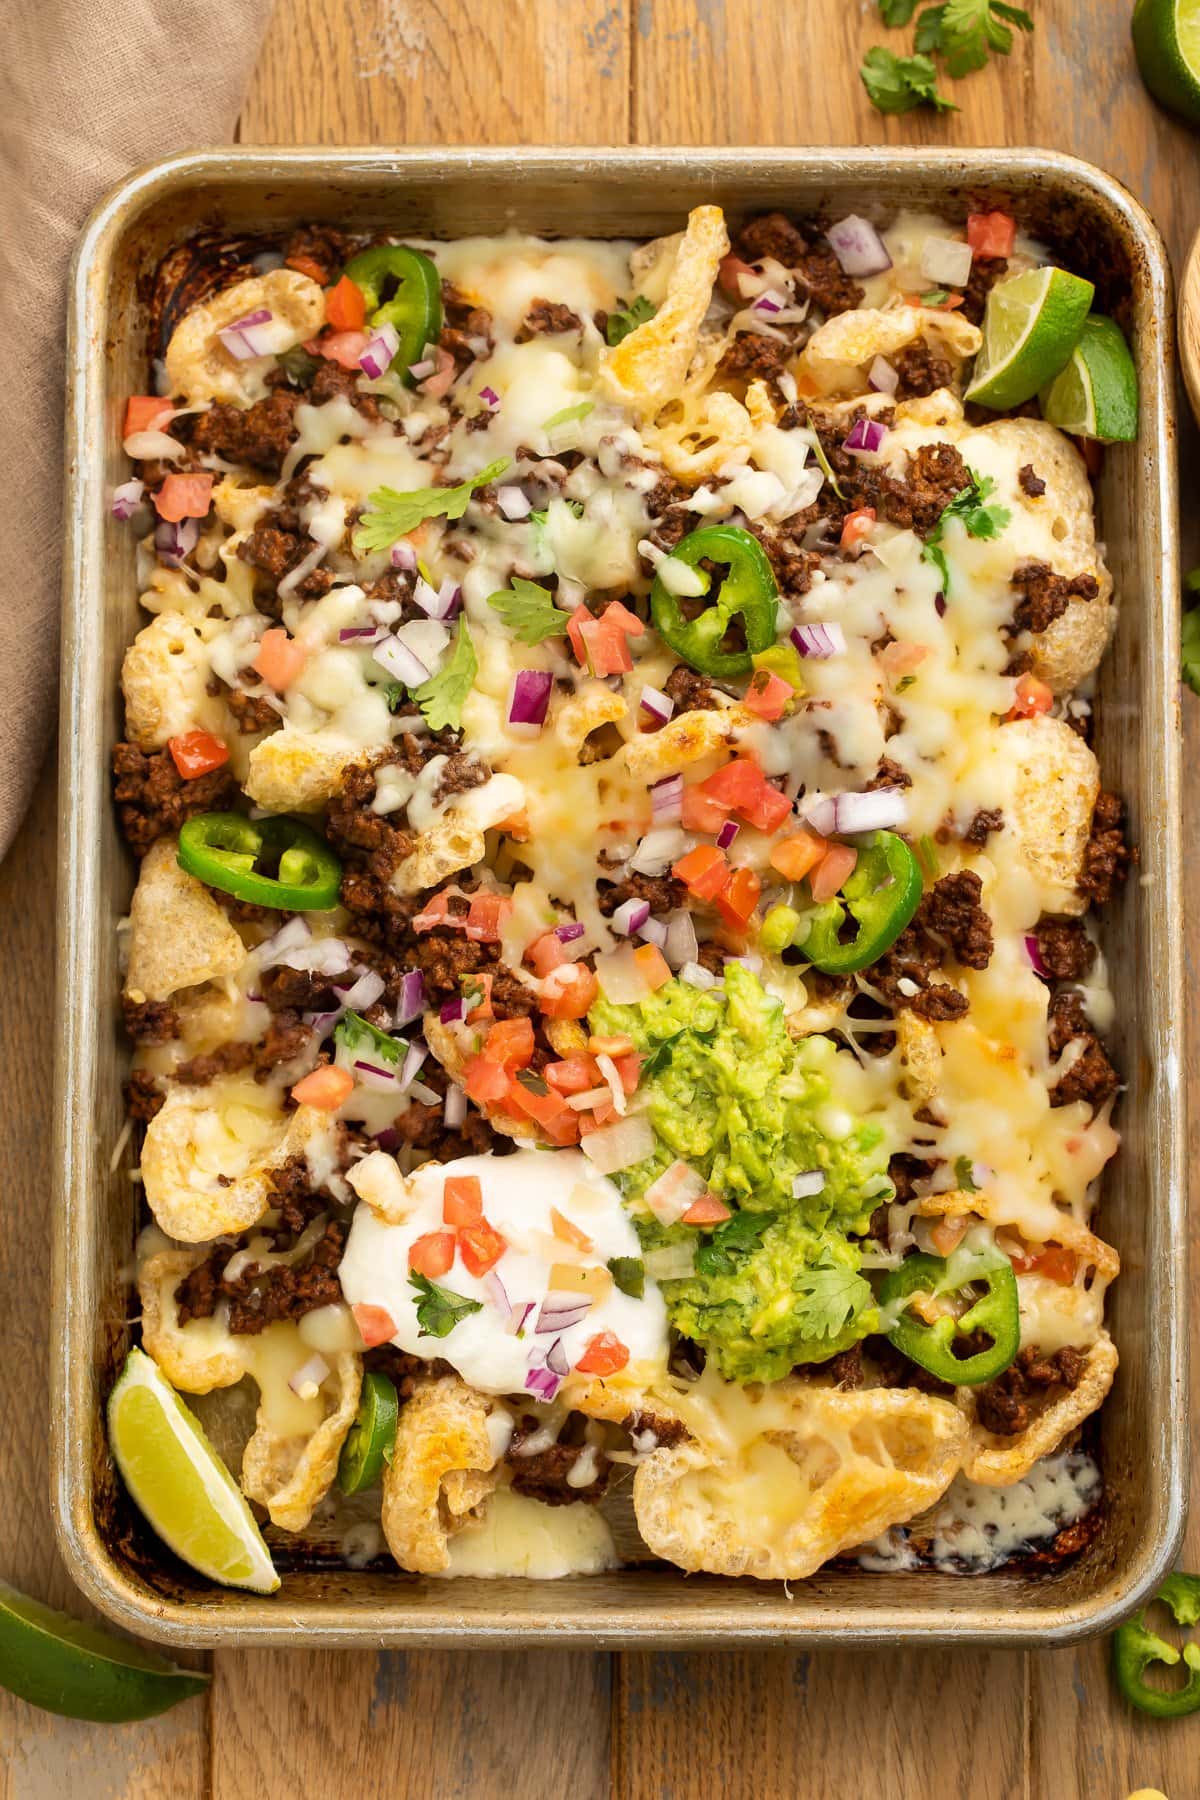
1057,779
863,1462
450,844
840,350
290,1475
594,705
711,430
648,368
999,1461
165,679
196,1357
1063,1228
443,1470
687,738
449,1052
178,935
298,771
920,1057
210,1151
198,364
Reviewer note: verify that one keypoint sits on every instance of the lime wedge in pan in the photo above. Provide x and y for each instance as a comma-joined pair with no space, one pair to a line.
1030,328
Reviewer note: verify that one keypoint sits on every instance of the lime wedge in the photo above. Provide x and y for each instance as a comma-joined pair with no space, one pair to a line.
180,1483
1166,42
1096,395
70,1666
1029,330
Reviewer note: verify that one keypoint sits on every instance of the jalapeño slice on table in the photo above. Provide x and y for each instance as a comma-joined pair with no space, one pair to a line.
880,896
370,1439
267,862
996,1314
748,593
402,289
1135,1647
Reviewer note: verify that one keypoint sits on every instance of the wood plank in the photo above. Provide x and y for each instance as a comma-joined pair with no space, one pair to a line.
43,1757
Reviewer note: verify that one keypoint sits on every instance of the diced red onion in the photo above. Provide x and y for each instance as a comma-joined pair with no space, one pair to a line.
681,946
313,1371
290,936
558,1312
1033,951
454,1110
946,261
865,434
449,596
360,633
490,398
879,810
400,662
426,1095
654,931
819,640
696,975
404,556
493,1287
630,916
660,706
513,502
375,1073
666,799
517,1317
412,998
388,1139
658,850
770,302
365,992
420,370
326,956
939,605
676,1189
127,498
811,1182
858,246
568,931
453,1011
882,377
619,1146
176,538
557,1360
379,350
412,1062
727,834
542,1382
243,338
530,697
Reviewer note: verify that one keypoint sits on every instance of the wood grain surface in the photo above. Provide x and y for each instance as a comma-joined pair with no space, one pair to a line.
439,1726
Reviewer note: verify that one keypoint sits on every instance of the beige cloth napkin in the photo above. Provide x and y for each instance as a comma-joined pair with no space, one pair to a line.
89,89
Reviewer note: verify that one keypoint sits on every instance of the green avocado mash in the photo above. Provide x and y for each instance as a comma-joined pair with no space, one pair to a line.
729,1092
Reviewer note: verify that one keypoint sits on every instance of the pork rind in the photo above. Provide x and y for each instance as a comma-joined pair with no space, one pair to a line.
443,1470
179,936
594,705
920,1057
711,430
209,1153
1057,779
449,845
165,679
446,1047
687,738
648,368
198,364
298,771
196,1357
840,349
1057,1228
859,1463
999,1461
289,1475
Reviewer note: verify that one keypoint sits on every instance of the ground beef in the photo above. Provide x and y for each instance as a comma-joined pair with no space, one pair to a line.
662,891
332,382
1045,596
920,371
543,1476
939,1003
689,691
322,248
913,501
297,990
1030,481
987,820
1004,1406
276,553
293,1195
259,436
986,271
935,474
819,269
1065,948
226,1059
284,1291
153,799
949,917
285,1038
664,1431
143,1096
1106,855
1091,1077
370,843
752,356
547,318
150,1021
463,321
463,771
772,234
792,565
952,910
889,774
846,1368
253,712
403,1370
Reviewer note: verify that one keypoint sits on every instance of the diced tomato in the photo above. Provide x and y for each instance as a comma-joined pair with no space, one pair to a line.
184,497
482,1009
701,812
1056,1264
432,1254
605,1354
575,624
616,617
145,412
1033,698
326,1088
547,1109
573,1075
548,952
197,753
510,1043
462,1200
991,234
629,1069
306,265
375,1325
342,347
346,306
481,1247
655,968
744,789
795,855
703,871
946,1234
435,912
567,1230
707,1210
855,527
901,659
728,270
619,1045
739,897
595,1116
486,916
569,992
768,695
484,1080
280,658
607,648
832,872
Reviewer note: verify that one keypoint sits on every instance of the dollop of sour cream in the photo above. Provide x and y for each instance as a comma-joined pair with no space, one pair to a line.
519,1192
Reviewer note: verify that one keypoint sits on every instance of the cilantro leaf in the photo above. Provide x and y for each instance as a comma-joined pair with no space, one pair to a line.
829,1297
359,1038
439,1309
969,30
979,520
897,12
621,323
929,29
395,693
935,297
964,1175
441,697
895,84
731,1241
569,414
529,611
391,515
629,1274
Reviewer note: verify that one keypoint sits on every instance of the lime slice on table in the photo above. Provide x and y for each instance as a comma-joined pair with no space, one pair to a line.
71,1666
180,1483
1030,328
1096,395
1166,42
370,1439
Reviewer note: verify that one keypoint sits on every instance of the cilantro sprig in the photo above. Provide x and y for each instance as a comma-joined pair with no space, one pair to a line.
529,611
731,1241
979,519
391,515
964,33
829,1297
439,1309
628,318
441,698
895,84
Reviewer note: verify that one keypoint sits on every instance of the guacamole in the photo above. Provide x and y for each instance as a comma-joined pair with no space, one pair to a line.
729,1092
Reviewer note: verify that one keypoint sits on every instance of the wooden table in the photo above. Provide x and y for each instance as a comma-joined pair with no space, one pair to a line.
524,1726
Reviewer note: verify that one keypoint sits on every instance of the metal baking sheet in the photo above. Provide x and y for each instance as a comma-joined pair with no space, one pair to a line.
439,192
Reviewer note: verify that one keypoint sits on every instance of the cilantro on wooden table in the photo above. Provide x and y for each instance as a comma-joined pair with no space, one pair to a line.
895,84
